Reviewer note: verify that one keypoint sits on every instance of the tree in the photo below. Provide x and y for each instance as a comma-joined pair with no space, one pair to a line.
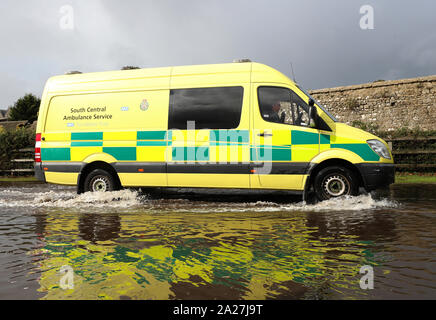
25,108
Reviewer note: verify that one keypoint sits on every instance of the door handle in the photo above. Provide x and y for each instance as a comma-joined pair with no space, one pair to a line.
263,134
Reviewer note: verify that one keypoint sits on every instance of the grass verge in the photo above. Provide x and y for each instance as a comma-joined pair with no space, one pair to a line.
415,178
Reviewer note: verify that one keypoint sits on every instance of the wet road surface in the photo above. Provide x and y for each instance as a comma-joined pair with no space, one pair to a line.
172,244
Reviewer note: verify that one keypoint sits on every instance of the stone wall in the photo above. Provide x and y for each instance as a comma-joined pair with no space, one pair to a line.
389,105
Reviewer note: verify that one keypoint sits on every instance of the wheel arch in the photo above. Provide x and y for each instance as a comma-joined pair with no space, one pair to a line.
89,167
317,167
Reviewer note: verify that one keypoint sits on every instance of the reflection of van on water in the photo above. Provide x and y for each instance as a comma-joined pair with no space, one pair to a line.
237,125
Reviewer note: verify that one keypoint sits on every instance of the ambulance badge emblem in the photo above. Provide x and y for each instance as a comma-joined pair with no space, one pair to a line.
144,105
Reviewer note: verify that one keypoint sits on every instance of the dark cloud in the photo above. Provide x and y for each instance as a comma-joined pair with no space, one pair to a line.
321,38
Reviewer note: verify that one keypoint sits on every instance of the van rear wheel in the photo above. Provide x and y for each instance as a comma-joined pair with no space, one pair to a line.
335,181
99,180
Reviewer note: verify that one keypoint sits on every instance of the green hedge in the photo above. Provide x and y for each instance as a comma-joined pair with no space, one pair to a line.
13,140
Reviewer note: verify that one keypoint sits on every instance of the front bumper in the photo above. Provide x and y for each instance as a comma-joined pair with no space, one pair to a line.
39,173
376,175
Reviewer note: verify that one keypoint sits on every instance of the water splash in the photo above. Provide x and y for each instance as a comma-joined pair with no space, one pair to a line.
346,203
64,199
128,199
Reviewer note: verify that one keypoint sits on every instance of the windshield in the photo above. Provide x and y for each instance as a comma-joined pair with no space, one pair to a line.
318,104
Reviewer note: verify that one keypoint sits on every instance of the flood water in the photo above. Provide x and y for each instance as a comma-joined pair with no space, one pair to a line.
173,244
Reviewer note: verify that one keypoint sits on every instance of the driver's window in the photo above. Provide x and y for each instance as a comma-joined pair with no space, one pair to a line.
275,104
281,105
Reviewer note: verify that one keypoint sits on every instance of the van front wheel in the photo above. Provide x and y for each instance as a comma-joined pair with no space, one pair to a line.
99,180
335,181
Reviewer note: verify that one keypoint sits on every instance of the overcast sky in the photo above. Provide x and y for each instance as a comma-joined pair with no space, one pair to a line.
323,39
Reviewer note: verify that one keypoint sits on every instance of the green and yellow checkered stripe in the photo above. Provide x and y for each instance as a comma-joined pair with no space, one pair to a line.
201,145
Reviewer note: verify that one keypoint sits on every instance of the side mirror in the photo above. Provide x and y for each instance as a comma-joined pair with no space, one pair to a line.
311,102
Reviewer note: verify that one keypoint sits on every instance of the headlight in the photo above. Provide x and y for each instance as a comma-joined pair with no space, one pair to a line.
379,148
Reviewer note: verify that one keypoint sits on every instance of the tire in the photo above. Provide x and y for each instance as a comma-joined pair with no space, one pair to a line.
99,180
335,181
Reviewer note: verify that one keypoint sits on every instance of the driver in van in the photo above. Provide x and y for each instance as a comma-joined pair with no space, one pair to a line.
274,115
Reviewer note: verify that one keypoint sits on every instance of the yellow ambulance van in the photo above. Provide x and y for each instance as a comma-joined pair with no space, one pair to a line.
236,125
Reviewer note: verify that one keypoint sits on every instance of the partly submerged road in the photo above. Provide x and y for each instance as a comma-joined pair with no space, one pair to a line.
190,245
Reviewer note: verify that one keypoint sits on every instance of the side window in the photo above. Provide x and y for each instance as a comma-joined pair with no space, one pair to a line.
281,105
300,110
275,104
209,108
